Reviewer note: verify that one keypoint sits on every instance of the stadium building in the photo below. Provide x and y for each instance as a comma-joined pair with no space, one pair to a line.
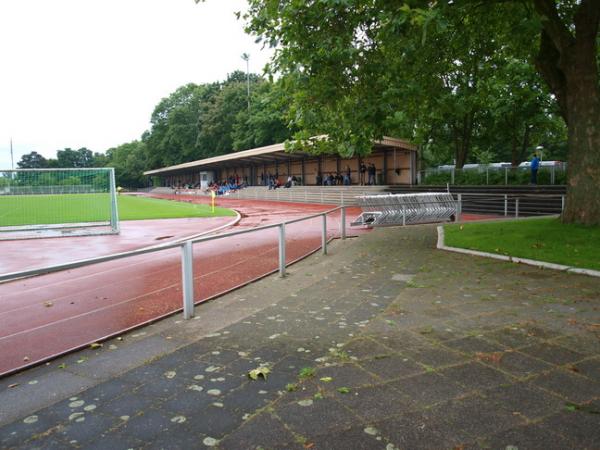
395,161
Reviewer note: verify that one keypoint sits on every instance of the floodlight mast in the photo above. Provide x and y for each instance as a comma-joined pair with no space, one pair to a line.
246,57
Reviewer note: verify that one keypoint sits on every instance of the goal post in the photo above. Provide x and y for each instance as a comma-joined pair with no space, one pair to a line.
58,202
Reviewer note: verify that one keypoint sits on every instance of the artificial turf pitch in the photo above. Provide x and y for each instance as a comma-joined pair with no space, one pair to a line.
79,208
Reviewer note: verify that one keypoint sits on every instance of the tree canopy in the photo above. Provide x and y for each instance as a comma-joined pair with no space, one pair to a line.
65,158
446,73
200,121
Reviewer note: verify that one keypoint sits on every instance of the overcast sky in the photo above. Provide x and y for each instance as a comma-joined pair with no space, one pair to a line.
88,73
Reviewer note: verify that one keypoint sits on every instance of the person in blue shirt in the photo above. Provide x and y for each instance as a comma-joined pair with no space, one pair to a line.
535,165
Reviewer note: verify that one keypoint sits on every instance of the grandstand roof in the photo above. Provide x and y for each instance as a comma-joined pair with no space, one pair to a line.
265,155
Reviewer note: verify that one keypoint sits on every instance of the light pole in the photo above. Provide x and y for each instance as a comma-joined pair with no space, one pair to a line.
540,151
246,57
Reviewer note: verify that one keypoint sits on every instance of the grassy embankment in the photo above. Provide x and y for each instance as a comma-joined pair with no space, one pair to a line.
541,239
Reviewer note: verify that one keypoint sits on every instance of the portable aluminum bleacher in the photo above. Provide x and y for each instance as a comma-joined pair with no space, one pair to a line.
405,209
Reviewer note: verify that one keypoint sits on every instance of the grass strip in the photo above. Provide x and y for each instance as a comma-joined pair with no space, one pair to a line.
545,239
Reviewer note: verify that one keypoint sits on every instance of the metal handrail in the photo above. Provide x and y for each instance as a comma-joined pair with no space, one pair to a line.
115,256
186,255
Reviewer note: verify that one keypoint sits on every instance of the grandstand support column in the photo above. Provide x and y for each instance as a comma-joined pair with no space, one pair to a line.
187,279
385,166
324,235
320,165
282,250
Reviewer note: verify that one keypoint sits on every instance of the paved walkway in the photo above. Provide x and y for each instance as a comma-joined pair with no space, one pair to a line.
385,343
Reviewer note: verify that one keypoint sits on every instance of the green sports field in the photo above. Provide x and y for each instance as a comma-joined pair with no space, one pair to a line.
77,208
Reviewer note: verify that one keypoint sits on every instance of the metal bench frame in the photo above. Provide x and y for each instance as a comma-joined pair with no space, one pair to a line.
405,209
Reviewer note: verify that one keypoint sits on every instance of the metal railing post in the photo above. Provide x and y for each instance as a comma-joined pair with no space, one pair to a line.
324,235
562,203
516,208
487,176
505,205
187,279
403,216
459,209
282,250
114,210
342,198
343,225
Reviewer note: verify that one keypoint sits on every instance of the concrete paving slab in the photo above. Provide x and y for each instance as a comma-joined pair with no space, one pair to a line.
477,356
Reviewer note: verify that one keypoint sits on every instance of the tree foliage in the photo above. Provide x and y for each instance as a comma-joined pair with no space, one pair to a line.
81,158
65,158
200,121
32,160
460,75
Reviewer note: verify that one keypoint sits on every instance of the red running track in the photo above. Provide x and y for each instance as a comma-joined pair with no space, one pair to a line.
18,255
45,316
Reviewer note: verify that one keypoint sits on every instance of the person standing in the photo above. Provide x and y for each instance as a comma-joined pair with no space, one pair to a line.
535,165
362,170
347,177
372,172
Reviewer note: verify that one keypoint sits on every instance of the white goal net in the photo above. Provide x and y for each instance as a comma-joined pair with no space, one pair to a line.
57,202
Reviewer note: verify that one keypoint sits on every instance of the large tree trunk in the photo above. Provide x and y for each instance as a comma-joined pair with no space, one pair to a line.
583,173
524,146
462,139
567,62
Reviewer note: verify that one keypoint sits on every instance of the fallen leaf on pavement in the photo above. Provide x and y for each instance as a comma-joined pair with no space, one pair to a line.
254,374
